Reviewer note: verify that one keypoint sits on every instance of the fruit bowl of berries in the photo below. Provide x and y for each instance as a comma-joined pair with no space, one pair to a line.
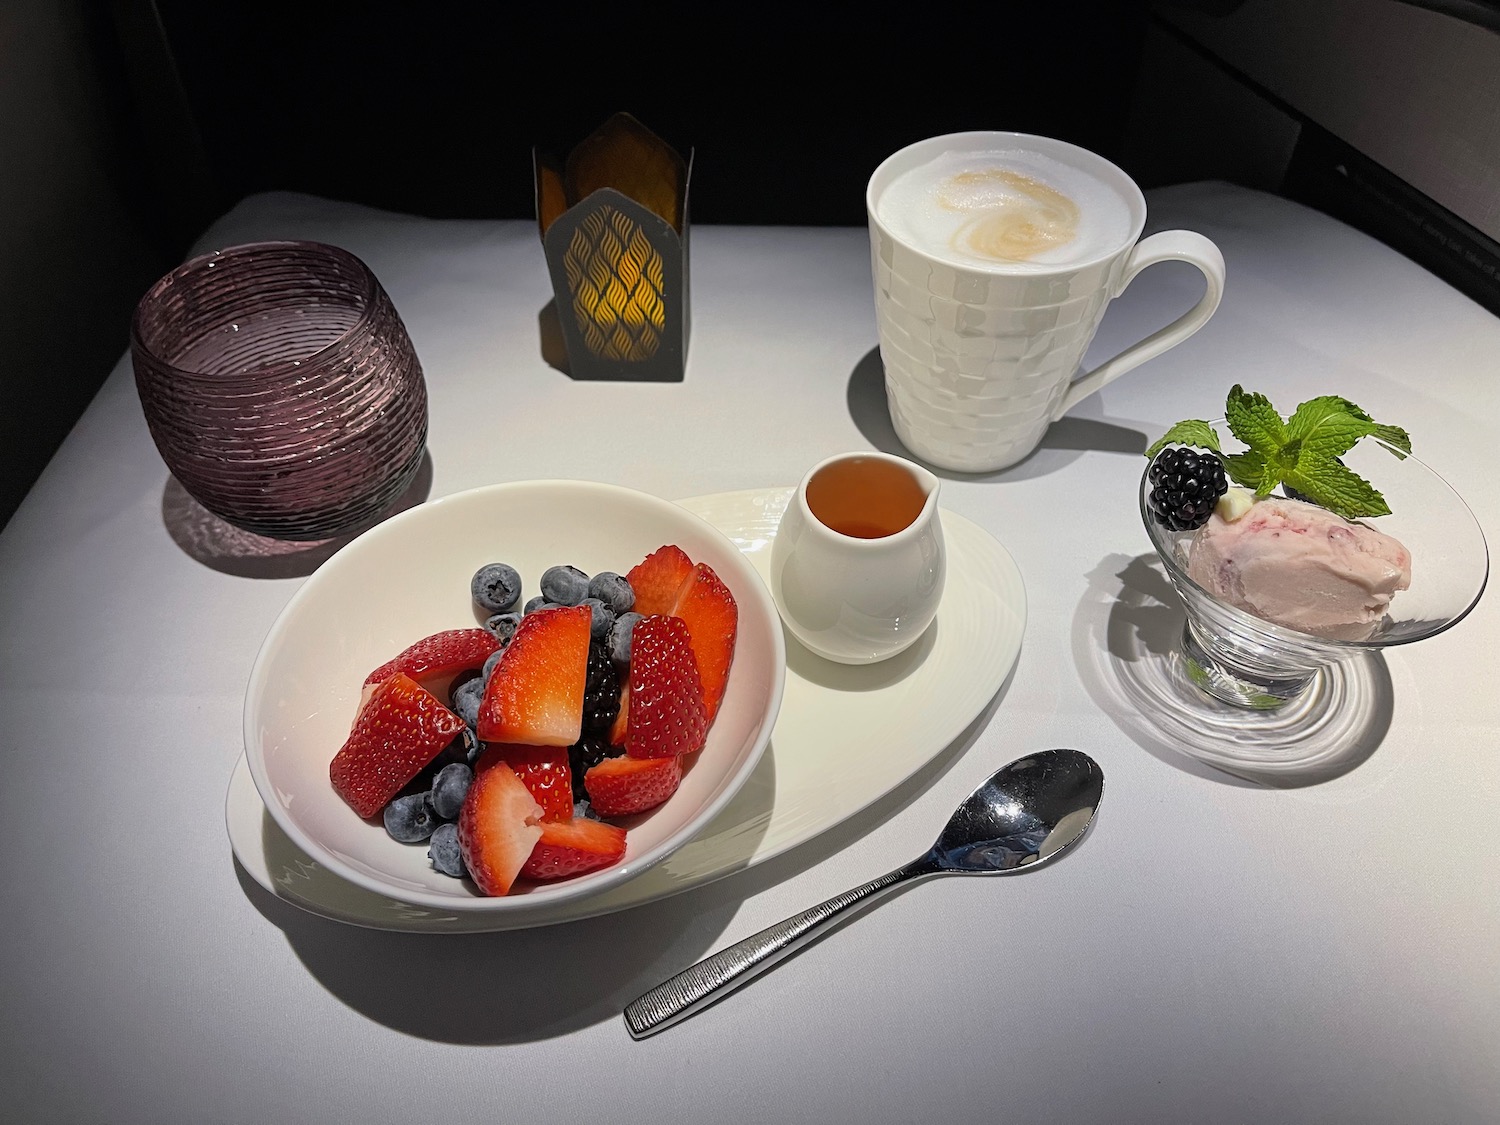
514,696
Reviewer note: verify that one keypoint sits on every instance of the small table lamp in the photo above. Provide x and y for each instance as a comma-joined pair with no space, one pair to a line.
614,225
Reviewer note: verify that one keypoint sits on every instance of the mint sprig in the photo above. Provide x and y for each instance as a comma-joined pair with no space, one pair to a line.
1194,431
1302,451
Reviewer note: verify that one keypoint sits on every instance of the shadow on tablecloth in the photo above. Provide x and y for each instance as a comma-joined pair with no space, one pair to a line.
527,985
221,546
1126,636
1062,444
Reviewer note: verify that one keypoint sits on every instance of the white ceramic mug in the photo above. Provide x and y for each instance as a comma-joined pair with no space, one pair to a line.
858,562
981,354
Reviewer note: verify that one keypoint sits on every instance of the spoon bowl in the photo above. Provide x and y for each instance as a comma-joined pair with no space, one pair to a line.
1028,813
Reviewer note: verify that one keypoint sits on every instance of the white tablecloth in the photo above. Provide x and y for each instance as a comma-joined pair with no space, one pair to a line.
1214,951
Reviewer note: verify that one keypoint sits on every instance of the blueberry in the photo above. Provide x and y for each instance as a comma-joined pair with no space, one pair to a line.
489,665
504,626
465,677
613,590
472,747
582,810
444,852
565,585
410,819
449,788
466,701
619,637
603,617
496,587
458,750
536,603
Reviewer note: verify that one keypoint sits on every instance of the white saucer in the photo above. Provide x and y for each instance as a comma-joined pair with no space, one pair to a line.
845,737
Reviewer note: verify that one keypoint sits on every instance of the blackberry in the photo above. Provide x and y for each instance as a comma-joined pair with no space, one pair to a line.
1186,483
601,691
584,755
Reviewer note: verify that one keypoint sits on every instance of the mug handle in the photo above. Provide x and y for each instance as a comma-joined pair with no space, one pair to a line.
1166,246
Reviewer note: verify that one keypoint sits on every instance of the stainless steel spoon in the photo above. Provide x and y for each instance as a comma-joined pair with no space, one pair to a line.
1029,812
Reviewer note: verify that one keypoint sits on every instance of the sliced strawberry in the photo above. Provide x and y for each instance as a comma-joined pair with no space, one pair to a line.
442,654
574,846
667,716
658,579
622,786
497,828
713,621
401,727
545,772
617,728
535,693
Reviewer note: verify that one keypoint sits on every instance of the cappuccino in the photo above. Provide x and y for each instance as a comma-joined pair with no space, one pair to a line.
1006,209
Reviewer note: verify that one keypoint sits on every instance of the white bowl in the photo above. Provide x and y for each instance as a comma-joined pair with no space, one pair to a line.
408,578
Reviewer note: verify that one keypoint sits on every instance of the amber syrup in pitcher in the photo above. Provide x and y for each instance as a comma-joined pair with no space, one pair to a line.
865,497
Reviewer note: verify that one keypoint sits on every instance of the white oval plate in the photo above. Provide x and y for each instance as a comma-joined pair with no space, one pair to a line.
845,737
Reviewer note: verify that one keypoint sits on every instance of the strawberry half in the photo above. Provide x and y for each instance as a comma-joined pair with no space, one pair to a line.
573,847
442,654
622,720
545,772
712,618
535,693
399,729
658,579
497,828
622,786
667,716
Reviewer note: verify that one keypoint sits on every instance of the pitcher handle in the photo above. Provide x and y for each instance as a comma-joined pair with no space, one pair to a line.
1166,246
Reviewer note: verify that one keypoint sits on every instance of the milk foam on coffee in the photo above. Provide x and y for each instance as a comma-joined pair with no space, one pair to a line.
1005,208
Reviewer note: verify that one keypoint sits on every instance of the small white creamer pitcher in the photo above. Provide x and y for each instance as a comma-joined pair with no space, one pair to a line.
858,563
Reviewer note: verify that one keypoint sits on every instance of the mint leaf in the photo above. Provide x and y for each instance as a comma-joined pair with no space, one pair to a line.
1193,431
1251,470
1339,489
1254,421
1393,436
1331,425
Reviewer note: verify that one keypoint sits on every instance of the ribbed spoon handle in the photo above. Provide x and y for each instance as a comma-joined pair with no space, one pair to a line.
713,978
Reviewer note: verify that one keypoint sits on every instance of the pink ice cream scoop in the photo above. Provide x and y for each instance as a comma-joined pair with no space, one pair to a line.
1301,566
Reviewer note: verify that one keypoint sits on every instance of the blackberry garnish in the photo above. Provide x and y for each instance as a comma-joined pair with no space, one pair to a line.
584,755
1186,483
601,692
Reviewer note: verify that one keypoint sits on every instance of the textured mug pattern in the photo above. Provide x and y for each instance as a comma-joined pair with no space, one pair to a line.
977,367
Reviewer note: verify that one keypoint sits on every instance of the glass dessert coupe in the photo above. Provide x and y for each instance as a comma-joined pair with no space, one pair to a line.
1241,660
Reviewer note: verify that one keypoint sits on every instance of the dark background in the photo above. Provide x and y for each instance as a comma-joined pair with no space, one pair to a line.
435,110
127,126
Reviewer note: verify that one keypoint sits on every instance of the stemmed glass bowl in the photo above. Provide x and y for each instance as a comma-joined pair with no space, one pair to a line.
1238,658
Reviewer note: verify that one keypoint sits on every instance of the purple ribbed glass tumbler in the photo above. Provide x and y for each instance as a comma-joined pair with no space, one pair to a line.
281,388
